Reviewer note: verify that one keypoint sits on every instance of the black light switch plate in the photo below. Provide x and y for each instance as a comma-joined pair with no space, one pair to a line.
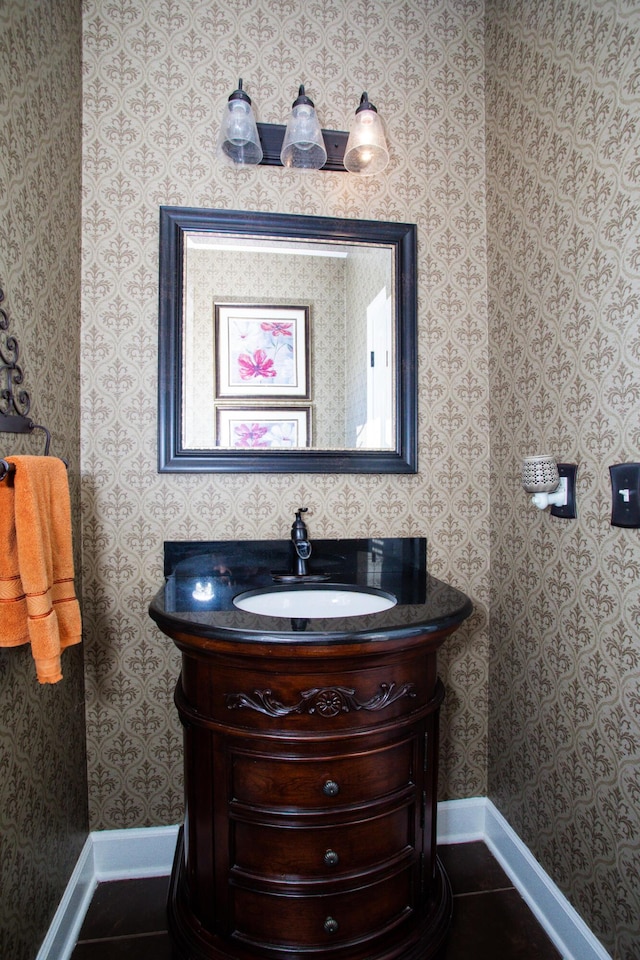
625,494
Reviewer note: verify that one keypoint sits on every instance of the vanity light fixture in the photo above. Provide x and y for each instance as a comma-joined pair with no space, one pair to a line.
238,140
302,144
552,484
366,151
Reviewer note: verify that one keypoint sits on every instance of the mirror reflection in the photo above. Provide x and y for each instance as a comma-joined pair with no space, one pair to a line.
288,344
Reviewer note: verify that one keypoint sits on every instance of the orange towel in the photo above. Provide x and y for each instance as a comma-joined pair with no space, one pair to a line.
37,596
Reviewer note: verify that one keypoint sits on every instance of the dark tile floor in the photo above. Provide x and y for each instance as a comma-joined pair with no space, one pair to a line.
126,919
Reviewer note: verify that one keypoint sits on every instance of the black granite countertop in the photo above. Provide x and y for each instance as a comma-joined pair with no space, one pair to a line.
202,578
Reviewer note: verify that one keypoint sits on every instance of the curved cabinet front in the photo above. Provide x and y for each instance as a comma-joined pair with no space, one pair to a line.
310,790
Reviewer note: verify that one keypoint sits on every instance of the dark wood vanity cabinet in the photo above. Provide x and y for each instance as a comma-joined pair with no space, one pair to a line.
310,787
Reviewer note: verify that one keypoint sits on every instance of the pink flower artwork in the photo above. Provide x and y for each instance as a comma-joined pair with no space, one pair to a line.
256,365
278,329
251,435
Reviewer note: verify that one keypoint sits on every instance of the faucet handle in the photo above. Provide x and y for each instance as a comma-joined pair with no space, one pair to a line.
299,530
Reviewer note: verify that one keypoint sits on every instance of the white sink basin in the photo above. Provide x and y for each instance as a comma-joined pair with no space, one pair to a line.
317,600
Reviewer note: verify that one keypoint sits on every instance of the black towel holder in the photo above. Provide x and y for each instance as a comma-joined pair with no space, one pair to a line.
19,424
14,404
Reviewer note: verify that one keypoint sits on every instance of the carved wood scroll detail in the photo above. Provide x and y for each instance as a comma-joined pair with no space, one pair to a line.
323,701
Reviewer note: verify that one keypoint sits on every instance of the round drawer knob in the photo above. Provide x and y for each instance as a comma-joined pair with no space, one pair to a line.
331,788
330,925
331,858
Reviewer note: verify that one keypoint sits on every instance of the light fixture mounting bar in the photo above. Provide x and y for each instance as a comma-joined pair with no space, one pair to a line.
272,135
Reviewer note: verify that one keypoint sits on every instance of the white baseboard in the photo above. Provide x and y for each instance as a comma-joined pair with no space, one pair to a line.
62,934
460,821
139,852
106,855
563,923
148,852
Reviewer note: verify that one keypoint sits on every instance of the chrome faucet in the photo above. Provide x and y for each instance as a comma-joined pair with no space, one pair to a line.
301,545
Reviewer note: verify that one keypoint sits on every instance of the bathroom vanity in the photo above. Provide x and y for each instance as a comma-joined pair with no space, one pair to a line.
311,756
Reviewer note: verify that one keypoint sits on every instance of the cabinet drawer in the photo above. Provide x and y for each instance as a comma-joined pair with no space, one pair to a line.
290,853
301,783
322,921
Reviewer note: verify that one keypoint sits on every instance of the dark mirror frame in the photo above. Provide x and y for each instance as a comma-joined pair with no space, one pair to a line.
175,223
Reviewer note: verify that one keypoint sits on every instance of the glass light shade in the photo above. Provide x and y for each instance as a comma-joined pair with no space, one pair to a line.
238,140
303,144
366,151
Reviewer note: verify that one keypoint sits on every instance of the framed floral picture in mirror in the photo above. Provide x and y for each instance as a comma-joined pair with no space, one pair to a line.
262,351
260,428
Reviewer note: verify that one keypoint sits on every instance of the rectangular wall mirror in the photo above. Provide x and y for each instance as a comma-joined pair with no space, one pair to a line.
286,343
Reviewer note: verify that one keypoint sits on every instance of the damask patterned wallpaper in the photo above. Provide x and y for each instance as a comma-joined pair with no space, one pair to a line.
563,252
563,161
43,790
156,76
